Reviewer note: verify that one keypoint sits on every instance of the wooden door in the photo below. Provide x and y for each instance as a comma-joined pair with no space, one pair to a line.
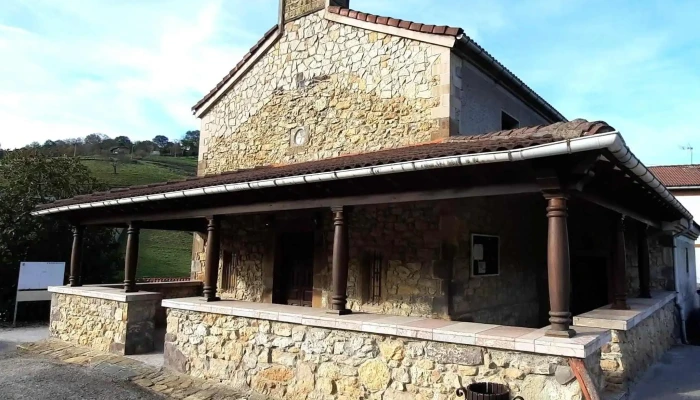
296,263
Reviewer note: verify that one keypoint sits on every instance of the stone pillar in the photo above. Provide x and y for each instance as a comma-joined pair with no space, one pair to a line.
76,256
340,261
211,264
643,262
619,267
558,267
132,257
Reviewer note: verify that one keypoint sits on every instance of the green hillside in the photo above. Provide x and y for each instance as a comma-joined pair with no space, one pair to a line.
141,172
162,254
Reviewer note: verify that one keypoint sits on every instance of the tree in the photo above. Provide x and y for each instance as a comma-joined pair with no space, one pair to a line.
190,143
123,141
161,141
144,148
30,179
93,142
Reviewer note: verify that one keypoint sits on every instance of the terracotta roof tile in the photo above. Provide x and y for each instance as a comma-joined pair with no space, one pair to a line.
455,145
677,175
395,22
235,69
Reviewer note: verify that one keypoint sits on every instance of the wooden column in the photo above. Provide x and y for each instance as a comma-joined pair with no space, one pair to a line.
132,257
340,262
643,262
211,264
619,267
76,256
558,267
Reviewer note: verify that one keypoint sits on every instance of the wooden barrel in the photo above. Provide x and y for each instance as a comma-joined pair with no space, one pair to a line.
486,391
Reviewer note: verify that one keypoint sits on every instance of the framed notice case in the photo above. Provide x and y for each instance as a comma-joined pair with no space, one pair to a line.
485,255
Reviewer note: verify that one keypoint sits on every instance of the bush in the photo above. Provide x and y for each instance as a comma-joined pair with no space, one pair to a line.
29,179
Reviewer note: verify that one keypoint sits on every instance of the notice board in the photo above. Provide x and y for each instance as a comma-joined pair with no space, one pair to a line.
485,255
40,275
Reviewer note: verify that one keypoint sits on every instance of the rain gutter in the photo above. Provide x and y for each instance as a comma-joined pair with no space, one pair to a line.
611,141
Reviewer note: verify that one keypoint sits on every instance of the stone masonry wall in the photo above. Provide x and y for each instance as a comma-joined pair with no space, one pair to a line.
661,263
292,361
168,290
631,352
244,238
424,249
352,90
105,325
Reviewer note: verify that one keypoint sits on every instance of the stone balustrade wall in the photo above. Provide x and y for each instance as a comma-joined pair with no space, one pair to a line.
631,352
105,325
291,361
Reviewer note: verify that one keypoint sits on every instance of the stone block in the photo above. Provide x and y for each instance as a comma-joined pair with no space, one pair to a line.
174,358
454,354
374,375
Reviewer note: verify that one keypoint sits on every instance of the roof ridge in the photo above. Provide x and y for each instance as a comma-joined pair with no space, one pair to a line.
396,22
676,166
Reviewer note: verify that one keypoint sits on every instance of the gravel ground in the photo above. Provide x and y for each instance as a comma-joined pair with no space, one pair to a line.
25,376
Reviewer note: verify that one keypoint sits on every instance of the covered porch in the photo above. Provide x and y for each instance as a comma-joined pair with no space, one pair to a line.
486,243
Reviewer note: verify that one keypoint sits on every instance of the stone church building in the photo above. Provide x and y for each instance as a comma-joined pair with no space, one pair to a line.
383,210
339,83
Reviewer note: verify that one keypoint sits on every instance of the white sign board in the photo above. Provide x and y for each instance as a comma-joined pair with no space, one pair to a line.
40,275
34,280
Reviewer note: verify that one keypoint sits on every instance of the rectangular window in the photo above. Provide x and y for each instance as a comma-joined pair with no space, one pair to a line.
371,277
376,287
508,122
485,255
228,271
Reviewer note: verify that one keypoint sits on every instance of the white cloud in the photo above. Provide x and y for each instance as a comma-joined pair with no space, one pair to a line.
113,77
73,67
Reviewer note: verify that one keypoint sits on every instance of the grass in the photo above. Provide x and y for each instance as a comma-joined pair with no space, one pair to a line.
162,254
130,174
190,162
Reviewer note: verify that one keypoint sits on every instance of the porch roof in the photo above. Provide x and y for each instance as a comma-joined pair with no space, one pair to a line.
567,143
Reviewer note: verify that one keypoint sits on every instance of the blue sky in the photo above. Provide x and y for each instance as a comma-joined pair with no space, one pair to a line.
135,67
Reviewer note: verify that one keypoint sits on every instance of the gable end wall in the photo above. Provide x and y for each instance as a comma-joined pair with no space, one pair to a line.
352,89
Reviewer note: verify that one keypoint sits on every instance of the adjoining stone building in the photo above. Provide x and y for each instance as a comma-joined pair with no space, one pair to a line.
384,210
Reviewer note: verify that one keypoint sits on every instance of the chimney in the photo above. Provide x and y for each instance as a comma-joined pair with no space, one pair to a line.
293,9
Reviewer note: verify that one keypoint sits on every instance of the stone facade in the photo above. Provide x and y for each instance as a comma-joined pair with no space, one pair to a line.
350,89
424,250
292,361
168,290
105,325
631,352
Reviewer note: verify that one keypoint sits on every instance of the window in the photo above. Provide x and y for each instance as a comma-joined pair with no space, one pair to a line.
508,122
228,271
485,255
372,278
376,287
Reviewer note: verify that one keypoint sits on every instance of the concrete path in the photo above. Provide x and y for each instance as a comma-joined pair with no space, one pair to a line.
675,377
9,337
